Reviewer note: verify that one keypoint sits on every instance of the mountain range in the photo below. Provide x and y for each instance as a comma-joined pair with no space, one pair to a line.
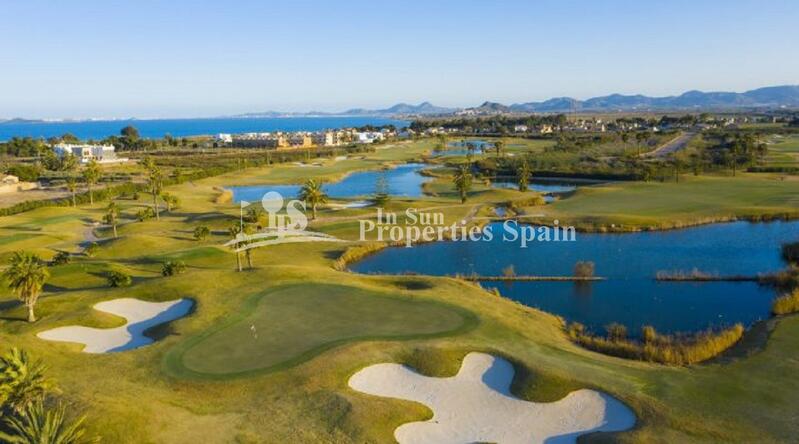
771,97
785,96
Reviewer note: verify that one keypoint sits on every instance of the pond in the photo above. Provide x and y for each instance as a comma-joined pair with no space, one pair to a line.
462,148
402,181
630,262
540,186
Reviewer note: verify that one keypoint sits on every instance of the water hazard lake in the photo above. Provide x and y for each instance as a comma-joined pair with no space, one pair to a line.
405,180
630,262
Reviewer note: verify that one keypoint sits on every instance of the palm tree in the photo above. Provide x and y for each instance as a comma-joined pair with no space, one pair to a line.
26,277
498,145
234,231
112,216
523,175
72,186
463,181
313,195
38,424
22,381
154,183
249,229
91,175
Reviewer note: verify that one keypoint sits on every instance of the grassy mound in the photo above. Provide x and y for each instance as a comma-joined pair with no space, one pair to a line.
291,324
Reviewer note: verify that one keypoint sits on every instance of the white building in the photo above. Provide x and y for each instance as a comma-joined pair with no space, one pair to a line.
223,138
367,137
87,153
520,129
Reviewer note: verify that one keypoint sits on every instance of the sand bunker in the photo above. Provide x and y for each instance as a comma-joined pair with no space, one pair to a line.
476,406
140,315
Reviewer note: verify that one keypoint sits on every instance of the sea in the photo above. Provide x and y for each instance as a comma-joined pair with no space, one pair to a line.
157,128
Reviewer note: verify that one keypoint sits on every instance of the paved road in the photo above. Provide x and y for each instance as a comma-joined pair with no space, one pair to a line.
672,146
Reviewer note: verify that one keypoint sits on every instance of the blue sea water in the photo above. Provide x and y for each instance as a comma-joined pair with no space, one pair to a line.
158,128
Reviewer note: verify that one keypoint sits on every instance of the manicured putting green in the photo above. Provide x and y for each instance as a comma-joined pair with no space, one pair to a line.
287,325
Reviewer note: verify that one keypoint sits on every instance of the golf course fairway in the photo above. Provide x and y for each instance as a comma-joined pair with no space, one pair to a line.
287,325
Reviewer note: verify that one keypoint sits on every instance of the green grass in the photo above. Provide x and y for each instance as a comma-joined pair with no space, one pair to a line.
692,201
319,334
16,237
783,152
288,325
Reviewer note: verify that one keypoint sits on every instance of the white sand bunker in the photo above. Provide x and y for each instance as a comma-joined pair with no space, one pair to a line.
140,315
476,406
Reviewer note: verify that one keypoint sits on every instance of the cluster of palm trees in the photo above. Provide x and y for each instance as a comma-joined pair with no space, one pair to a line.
90,175
30,414
463,176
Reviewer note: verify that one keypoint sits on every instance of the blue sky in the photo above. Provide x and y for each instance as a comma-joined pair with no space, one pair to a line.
203,58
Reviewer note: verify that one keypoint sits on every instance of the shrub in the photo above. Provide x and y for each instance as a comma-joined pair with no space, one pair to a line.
790,252
786,304
91,249
584,269
119,279
616,331
509,271
575,329
26,172
60,258
171,268
201,233
649,334
145,214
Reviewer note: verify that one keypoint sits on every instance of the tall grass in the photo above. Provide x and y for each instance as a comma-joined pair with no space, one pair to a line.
356,253
786,304
663,349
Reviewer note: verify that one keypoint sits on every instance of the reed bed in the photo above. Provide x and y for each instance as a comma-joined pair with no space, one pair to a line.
655,347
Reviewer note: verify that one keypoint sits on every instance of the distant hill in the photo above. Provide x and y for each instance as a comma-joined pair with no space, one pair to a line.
400,109
786,96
